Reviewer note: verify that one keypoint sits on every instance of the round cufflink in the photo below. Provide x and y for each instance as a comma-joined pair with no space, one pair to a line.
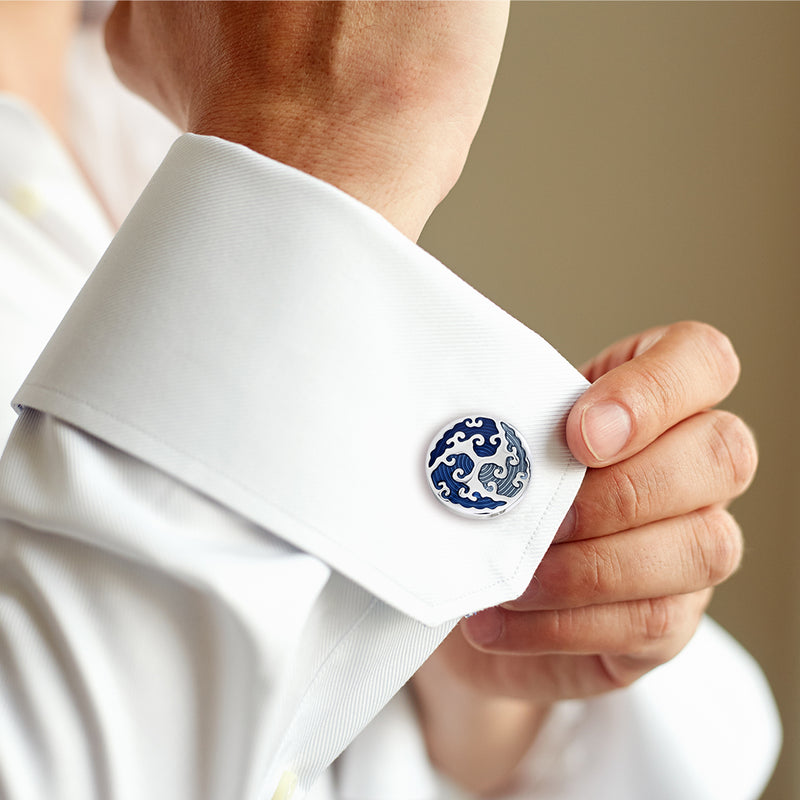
478,466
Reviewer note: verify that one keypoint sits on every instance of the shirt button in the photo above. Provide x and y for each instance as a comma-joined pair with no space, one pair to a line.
478,466
286,786
27,200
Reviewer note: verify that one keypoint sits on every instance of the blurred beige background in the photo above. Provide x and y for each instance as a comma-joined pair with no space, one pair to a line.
640,163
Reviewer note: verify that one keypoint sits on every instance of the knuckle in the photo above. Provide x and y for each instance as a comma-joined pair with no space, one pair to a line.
596,578
658,618
720,546
581,574
660,629
556,630
580,580
661,389
701,359
628,500
733,449
719,350
620,672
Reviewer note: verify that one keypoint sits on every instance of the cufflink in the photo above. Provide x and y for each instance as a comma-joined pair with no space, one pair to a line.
478,466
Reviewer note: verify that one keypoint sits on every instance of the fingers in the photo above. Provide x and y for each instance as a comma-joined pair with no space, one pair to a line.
632,571
685,369
671,557
709,458
624,350
649,631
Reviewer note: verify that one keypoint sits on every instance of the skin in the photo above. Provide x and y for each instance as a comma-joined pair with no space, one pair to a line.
359,94
382,100
34,39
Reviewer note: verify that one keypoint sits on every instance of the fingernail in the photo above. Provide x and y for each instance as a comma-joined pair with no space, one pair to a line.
567,526
484,627
606,428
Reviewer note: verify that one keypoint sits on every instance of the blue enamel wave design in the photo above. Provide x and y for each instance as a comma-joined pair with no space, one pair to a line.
485,426
516,468
483,438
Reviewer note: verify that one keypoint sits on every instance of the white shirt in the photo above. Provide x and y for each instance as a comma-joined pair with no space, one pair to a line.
196,622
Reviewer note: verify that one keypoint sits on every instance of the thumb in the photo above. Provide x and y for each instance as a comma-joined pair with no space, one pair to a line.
688,368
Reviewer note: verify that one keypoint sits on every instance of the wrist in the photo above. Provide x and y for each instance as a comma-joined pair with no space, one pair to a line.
380,99
354,158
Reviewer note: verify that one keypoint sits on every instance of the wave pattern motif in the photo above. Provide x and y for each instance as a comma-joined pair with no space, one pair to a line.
478,467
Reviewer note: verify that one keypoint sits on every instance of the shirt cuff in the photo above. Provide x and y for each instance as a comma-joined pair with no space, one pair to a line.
277,345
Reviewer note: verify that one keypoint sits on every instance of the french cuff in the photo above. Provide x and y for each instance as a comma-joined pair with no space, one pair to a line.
277,345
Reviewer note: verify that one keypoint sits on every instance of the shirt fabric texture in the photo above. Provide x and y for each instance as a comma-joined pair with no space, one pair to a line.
220,561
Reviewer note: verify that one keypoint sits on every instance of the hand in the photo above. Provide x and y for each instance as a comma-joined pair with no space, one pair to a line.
623,588
380,99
